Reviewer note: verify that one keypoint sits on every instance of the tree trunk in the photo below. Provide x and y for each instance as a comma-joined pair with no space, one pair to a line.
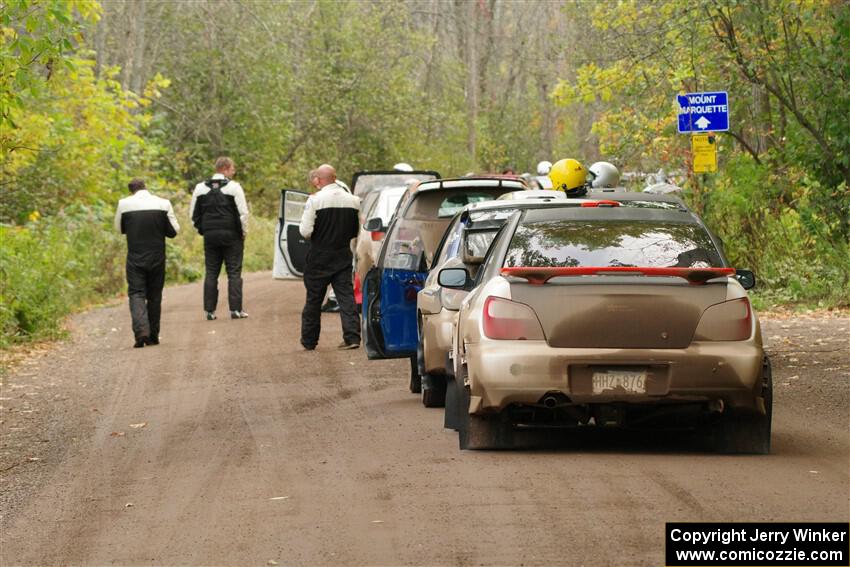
472,83
100,32
137,82
130,11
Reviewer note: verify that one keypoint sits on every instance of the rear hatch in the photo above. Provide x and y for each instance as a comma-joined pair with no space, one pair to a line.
364,182
616,278
612,312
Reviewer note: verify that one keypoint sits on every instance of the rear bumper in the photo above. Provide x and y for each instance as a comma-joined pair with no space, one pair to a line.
437,340
502,373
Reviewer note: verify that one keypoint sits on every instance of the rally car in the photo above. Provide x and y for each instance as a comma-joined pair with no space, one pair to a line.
607,315
390,288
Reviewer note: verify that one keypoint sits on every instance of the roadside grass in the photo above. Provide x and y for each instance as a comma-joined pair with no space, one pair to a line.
52,268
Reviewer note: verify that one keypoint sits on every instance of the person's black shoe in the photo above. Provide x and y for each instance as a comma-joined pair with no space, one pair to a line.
238,315
153,340
210,315
348,346
308,347
141,342
330,306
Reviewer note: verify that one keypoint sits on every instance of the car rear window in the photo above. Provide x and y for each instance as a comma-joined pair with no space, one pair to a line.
369,182
570,243
445,203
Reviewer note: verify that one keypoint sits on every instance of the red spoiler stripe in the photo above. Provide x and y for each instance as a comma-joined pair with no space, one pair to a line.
539,276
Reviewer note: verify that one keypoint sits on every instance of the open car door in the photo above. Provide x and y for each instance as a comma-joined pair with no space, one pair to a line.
389,295
290,251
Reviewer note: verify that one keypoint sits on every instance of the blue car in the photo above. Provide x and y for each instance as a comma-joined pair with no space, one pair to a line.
390,288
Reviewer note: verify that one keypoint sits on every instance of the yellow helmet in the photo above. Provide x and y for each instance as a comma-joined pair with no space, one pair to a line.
569,176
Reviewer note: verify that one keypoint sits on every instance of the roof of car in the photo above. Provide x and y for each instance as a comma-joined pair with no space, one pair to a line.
554,212
533,194
520,203
473,181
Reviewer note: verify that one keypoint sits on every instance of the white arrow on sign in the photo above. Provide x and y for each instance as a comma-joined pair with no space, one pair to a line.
703,123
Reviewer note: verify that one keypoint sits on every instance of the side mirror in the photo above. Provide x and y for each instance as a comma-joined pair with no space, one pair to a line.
469,254
375,224
746,278
453,278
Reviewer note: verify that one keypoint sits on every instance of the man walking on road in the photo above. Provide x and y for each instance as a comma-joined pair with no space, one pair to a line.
147,221
330,222
220,213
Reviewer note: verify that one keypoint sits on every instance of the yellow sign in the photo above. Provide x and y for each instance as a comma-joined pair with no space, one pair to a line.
704,148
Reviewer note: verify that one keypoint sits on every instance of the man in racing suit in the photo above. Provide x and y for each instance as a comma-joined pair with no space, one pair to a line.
147,221
330,221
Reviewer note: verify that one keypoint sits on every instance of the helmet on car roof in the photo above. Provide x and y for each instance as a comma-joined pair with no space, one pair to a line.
401,166
569,176
604,174
543,167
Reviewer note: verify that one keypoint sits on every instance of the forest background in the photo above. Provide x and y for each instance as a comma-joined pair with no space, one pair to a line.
94,93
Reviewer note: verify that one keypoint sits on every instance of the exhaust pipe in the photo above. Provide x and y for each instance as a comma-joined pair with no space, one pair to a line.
554,399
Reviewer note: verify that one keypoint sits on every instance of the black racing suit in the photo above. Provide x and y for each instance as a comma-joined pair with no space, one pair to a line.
330,221
219,212
147,221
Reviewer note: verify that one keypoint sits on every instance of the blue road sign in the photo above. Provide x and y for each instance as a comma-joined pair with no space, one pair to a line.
703,112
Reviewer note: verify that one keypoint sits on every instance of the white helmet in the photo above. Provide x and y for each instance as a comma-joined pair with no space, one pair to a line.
403,167
543,167
604,175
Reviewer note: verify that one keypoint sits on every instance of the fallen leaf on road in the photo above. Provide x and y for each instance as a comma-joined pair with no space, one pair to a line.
377,521
814,472
280,498
33,459
272,562
138,425
211,333
129,505
114,330
795,377
117,434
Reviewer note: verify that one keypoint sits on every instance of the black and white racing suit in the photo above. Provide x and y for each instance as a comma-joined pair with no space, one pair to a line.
147,221
220,213
330,221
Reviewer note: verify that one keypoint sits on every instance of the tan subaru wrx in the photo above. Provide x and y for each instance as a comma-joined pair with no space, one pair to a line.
607,316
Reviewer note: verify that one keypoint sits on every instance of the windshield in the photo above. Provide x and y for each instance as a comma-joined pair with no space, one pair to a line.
369,182
571,243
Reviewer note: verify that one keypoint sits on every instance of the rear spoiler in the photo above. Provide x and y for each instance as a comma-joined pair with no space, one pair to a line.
539,276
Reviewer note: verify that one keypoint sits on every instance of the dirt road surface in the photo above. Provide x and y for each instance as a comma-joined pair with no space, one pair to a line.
229,445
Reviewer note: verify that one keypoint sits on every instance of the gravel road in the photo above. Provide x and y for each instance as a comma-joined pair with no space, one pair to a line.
229,445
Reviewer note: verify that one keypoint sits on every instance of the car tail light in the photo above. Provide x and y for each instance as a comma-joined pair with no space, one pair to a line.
510,321
378,236
603,203
728,321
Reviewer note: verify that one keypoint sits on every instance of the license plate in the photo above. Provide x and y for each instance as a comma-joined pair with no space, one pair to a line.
619,382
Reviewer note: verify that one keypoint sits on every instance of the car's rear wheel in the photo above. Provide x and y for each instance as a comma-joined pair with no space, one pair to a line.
433,390
746,432
415,379
451,419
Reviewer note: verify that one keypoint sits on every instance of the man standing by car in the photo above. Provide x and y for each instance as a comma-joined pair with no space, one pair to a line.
147,221
220,213
330,222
